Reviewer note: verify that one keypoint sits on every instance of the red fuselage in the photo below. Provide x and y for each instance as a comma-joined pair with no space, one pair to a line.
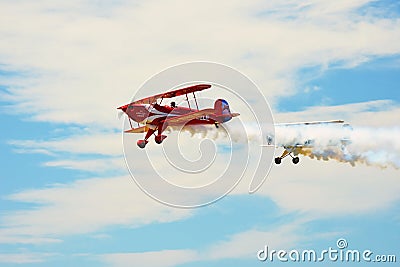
154,114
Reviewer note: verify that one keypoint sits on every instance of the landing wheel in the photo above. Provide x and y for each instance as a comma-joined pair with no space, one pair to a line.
295,160
216,125
142,143
278,160
160,138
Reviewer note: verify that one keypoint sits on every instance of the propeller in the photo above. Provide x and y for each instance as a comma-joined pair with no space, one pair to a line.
120,113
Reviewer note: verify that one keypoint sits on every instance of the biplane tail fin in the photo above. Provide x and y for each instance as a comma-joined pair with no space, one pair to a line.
222,111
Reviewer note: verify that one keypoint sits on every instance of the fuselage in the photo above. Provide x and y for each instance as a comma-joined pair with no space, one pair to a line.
155,113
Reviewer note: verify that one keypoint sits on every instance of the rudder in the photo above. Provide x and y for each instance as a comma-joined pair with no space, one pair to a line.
222,110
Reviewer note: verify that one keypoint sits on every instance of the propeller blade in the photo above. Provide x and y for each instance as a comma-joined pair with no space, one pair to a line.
120,113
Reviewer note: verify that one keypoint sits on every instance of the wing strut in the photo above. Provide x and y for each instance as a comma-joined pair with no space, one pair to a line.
187,99
195,100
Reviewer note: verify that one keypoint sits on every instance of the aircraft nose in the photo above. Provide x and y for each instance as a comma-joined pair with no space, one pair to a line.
123,108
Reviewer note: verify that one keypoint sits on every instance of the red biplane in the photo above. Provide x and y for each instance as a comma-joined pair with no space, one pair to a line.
155,117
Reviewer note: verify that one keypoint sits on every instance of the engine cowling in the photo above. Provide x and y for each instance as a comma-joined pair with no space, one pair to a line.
138,113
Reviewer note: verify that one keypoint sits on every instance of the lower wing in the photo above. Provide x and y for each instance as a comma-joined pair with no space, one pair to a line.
142,129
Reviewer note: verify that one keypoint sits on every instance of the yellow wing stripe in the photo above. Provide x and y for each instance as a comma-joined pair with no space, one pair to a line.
142,129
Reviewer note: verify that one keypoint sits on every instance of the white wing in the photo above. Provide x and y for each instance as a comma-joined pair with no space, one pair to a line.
309,123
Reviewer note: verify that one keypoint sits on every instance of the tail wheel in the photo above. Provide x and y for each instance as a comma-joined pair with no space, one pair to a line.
142,143
278,160
295,160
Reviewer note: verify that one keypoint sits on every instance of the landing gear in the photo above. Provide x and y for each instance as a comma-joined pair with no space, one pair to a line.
159,138
216,125
289,151
142,143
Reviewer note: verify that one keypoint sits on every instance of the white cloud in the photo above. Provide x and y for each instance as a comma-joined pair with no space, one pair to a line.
377,113
163,258
80,62
82,70
99,143
317,188
71,152
243,245
24,258
84,206
324,189
92,165
246,244
85,63
328,188
309,89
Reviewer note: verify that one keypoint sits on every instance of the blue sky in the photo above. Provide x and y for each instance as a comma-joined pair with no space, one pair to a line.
376,80
66,197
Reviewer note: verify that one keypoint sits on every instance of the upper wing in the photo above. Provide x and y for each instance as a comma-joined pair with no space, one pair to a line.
179,120
309,123
178,92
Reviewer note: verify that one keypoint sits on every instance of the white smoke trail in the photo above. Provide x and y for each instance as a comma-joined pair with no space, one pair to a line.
238,133
361,145
371,146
